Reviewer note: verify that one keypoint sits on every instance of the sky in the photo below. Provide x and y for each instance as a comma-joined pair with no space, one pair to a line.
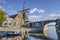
38,8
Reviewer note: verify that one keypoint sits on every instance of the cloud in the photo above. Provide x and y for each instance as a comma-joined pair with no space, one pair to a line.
41,11
2,1
37,10
54,15
0,6
33,10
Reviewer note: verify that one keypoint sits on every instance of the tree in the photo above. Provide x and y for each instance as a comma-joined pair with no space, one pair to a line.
2,15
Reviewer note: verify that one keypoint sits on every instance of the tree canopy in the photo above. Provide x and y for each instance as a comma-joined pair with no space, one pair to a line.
2,15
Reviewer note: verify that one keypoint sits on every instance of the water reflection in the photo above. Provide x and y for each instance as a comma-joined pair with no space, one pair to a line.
33,38
52,33
50,28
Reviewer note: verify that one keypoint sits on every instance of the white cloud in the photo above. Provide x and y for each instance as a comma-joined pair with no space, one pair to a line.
54,15
41,11
33,10
2,1
38,10
0,6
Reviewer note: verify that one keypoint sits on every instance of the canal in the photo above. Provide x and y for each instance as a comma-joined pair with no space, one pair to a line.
51,33
33,38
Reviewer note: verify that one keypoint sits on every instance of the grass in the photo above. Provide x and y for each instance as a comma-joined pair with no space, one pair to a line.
36,34
58,30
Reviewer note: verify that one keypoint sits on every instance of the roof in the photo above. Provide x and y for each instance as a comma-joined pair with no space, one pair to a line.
13,16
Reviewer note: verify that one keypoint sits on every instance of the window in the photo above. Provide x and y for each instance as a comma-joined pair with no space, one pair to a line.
5,23
9,23
30,24
14,23
20,24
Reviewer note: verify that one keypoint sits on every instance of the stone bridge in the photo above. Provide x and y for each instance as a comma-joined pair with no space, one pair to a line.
41,24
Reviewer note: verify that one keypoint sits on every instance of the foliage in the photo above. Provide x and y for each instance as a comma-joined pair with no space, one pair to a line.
2,16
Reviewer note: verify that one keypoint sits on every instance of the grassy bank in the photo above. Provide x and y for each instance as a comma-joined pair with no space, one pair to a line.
36,34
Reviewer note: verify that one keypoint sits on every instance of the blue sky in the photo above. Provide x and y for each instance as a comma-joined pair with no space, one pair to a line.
37,7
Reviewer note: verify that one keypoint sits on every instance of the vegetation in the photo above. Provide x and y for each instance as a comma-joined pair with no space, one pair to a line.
36,34
2,15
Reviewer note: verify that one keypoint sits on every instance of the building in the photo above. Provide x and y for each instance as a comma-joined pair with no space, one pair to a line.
13,21
24,15
17,20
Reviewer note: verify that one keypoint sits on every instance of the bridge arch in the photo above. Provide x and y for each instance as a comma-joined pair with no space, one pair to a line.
49,29
45,29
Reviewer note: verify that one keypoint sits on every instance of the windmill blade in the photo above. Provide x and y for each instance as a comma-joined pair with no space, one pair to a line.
27,9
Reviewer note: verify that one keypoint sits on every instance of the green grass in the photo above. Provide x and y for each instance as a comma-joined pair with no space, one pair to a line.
58,30
36,34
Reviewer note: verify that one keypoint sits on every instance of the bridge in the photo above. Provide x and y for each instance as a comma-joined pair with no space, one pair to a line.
38,24
41,24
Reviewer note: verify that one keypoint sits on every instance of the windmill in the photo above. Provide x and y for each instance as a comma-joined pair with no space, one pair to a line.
25,11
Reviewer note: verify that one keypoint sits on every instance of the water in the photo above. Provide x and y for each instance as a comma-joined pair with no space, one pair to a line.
52,32
33,38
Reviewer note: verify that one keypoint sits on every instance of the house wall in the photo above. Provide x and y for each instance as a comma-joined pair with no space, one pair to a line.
13,22
8,22
19,21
